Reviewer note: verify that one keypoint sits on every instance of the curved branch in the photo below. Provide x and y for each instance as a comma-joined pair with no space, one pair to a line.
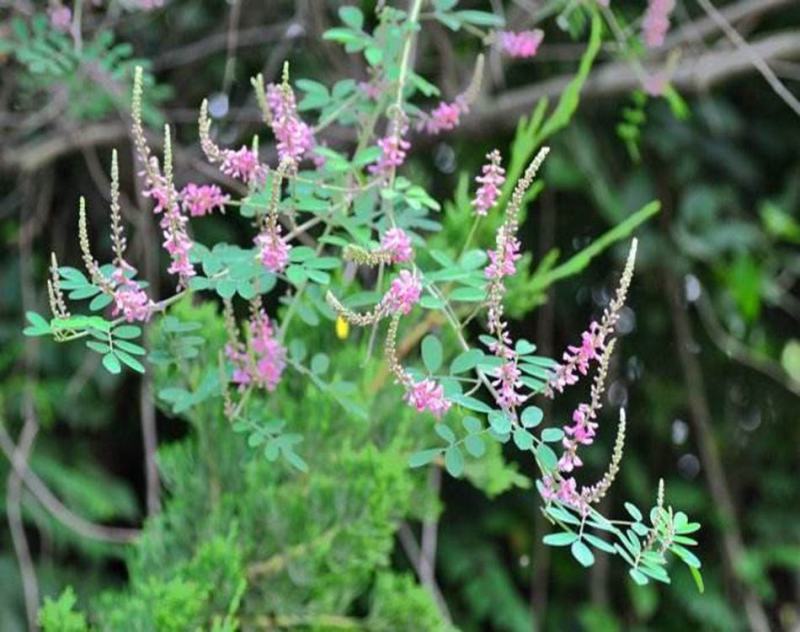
74,522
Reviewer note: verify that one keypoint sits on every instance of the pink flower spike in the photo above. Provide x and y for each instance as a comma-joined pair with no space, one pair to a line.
60,18
656,22
393,151
270,353
491,180
404,293
243,165
265,366
295,138
522,45
445,116
428,395
130,300
199,200
397,243
273,250
503,260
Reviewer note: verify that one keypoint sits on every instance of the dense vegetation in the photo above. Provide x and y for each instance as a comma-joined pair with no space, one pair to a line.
356,411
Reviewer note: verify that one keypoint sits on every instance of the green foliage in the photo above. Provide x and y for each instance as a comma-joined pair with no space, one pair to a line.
51,56
58,615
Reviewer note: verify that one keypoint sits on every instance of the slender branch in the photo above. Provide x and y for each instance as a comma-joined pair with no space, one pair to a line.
749,51
74,522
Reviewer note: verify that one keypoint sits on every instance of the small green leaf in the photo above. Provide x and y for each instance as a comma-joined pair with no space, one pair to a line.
499,422
130,361
475,446
523,439
582,553
423,457
552,435
454,461
546,456
432,353
531,417
127,331
698,579
100,301
38,325
633,511
471,424
320,363
639,577
445,432
111,363
560,539
465,361
352,17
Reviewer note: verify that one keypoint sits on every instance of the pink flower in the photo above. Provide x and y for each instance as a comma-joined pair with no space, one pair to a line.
656,22
60,18
173,227
655,85
149,5
265,366
200,200
243,165
507,382
372,91
393,151
503,260
270,353
491,180
273,250
295,138
445,116
397,243
428,395
404,293
130,300
578,358
521,45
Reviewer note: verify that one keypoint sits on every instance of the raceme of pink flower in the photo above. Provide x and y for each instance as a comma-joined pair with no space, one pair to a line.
656,22
397,243
521,45
270,353
130,300
160,195
503,260
178,244
564,490
507,382
295,138
60,18
578,358
201,200
273,250
173,227
403,293
491,180
268,361
393,152
428,395
445,116
243,165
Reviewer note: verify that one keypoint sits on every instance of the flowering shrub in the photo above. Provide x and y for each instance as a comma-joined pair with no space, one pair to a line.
341,236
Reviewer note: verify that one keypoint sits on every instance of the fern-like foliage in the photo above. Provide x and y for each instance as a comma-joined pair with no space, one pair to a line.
52,61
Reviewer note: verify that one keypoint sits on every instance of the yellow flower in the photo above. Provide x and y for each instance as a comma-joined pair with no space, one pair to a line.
342,328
